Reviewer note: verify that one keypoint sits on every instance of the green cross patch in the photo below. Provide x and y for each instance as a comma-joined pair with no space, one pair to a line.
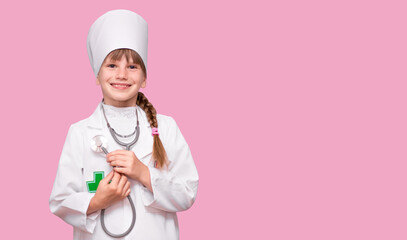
93,185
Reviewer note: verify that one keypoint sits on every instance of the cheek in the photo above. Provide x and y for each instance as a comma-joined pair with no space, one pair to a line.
141,78
103,77
138,79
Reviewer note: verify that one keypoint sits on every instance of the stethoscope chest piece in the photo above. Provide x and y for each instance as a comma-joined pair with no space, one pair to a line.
98,142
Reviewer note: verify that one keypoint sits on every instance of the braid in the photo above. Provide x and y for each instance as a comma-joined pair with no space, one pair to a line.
159,153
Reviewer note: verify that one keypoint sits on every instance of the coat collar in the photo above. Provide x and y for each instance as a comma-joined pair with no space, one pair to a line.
96,119
144,145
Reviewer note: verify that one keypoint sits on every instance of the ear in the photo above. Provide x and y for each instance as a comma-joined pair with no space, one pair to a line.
143,85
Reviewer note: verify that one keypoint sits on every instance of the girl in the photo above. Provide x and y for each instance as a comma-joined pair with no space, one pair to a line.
134,191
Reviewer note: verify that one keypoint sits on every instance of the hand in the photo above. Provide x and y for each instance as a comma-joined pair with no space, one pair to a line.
108,193
126,162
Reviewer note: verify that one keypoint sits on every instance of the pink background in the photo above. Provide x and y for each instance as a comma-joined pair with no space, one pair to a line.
294,112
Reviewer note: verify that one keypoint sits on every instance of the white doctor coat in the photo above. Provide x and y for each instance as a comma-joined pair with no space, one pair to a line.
174,189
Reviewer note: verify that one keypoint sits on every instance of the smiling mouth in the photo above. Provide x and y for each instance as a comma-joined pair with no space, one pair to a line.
120,85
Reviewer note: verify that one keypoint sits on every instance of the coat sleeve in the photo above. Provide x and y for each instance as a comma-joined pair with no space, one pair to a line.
174,189
68,200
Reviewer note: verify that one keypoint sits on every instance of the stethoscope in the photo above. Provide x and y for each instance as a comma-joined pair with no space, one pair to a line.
99,144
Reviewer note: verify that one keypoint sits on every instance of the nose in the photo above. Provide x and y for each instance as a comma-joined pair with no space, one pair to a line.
121,73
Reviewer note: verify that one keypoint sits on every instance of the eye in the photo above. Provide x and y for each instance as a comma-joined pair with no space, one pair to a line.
132,66
111,66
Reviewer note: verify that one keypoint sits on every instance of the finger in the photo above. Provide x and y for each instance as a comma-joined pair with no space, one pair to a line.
118,157
121,170
122,182
116,178
118,163
128,192
119,152
126,187
108,177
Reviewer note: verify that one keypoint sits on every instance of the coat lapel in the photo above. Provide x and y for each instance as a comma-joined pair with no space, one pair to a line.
144,145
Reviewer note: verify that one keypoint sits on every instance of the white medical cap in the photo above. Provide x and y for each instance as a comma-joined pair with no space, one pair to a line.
113,30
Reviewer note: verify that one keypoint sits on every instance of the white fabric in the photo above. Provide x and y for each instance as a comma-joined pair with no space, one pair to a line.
122,119
113,30
174,189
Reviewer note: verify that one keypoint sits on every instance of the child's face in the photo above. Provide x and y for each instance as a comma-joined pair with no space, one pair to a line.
120,82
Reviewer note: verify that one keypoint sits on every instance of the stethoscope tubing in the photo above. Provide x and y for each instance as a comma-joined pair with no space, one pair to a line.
128,147
133,221
133,210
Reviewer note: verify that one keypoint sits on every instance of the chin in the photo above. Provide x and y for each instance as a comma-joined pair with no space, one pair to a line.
124,99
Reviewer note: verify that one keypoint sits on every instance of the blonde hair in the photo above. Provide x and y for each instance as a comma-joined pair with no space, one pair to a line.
159,154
